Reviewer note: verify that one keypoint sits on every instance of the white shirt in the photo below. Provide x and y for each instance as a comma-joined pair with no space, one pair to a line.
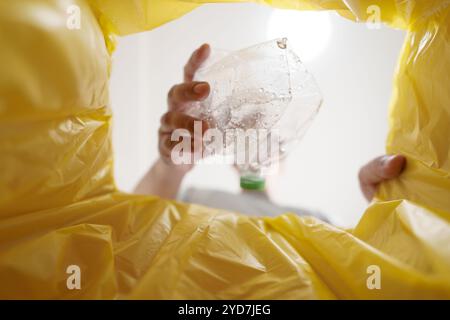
252,203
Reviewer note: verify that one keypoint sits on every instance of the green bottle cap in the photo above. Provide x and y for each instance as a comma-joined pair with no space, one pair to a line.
253,183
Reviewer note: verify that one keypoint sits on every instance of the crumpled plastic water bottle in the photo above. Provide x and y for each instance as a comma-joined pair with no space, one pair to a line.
262,95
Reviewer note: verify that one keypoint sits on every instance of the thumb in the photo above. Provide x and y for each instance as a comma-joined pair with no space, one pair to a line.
392,166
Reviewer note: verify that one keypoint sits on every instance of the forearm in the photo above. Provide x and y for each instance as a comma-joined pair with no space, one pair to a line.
162,180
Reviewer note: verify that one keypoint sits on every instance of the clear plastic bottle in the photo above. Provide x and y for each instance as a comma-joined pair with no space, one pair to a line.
264,88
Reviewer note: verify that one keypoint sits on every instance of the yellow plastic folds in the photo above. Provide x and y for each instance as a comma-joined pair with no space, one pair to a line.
59,206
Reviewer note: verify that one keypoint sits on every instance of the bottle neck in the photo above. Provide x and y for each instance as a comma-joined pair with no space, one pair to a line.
253,183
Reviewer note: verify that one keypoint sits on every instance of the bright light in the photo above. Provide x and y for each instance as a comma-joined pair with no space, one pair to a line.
307,31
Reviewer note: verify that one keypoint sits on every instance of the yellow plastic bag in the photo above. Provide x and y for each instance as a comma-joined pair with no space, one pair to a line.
59,206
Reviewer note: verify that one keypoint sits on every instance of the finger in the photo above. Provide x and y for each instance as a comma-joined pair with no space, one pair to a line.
166,145
180,95
382,168
195,61
393,166
378,170
173,120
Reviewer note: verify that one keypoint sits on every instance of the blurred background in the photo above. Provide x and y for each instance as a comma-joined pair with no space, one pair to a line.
352,63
